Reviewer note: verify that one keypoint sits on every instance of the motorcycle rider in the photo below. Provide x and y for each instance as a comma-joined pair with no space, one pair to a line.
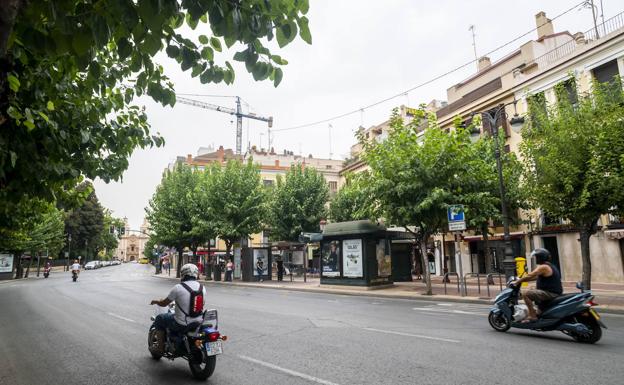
548,286
181,294
75,267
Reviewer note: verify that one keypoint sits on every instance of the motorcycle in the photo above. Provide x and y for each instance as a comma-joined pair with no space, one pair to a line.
46,272
199,343
572,314
74,276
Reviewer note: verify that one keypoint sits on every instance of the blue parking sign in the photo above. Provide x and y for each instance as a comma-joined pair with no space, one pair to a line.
455,213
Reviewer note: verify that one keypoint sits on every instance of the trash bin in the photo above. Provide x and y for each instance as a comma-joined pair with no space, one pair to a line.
521,266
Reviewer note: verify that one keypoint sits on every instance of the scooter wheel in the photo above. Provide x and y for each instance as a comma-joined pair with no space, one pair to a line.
499,322
595,332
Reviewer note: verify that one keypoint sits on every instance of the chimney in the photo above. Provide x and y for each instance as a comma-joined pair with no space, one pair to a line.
544,25
484,62
220,154
189,159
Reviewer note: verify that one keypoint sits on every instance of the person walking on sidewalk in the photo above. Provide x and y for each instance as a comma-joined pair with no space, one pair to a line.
280,269
229,270
260,269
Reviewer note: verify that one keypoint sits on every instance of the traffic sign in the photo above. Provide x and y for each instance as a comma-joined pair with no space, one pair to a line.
455,213
456,218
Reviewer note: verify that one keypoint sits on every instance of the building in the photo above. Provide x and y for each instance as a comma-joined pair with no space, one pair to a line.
535,68
132,244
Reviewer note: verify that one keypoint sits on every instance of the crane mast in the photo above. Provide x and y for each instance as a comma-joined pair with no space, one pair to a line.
238,112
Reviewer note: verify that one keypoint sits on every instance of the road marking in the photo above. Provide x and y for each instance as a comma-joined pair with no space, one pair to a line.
413,335
449,311
287,371
121,317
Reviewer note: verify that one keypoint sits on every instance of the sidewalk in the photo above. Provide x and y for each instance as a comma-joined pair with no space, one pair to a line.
609,296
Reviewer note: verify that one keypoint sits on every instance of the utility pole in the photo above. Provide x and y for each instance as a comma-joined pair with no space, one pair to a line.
329,127
471,28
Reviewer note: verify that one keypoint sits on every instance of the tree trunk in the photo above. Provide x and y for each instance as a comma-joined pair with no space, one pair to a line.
487,254
208,265
228,248
425,263
8,14
179,267
585,257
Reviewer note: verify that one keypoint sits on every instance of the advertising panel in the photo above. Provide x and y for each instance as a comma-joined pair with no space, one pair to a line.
297,257
384,261
330,258
260,255
6,263
352,258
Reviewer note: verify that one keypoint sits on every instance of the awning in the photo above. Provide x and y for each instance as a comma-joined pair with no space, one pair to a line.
614,234
495,237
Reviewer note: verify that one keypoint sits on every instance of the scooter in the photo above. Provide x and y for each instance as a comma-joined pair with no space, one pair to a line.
46,272
572,314
200,343
74,276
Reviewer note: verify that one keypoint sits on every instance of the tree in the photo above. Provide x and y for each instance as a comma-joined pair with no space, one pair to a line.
172,211
353,201
108,240
236,200
85,224
574,159
298,203
72,68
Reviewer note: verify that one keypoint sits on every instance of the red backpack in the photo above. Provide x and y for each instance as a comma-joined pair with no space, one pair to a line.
196,306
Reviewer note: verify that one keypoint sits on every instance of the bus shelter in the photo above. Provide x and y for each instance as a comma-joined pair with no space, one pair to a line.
356,253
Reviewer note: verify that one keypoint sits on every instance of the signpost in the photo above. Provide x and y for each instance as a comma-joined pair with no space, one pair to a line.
457,223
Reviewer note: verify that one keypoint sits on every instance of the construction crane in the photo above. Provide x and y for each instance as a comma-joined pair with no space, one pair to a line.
238,112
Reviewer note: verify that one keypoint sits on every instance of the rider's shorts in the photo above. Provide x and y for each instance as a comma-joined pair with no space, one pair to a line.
536,295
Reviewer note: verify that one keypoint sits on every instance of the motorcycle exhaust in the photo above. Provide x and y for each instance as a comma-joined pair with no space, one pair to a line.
577,328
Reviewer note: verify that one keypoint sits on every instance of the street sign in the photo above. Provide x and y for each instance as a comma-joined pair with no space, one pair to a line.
456,218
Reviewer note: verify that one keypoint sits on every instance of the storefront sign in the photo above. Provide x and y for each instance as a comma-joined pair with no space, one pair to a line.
6,263
352,258
331,256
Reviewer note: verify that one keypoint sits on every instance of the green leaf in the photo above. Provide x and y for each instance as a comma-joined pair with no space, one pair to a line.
207,53
215,43
152,44
14,83
50,105
14,113
240,56
13,158
81,42
278,74
29,125
304,30
44,116
279,60
124,48
203,39
173,51
84,135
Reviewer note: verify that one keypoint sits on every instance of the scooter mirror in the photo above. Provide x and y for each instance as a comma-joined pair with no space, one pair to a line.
580,286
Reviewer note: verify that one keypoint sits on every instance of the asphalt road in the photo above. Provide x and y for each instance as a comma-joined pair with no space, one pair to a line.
94,331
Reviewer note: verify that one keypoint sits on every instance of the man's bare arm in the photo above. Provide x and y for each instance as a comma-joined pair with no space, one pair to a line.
161,302
532,276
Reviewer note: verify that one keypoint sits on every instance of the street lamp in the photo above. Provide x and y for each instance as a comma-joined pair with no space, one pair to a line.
492,117
322,224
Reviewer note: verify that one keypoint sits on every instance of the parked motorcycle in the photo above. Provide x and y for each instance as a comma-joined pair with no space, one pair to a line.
572,314
74,276
199,343
46,272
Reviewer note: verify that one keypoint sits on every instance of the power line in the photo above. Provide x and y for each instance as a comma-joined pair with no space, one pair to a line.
427,82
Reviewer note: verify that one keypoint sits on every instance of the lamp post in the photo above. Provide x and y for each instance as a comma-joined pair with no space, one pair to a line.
492,117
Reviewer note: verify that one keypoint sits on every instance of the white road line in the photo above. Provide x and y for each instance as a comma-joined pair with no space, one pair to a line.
448,311
287,371
121,317
413,335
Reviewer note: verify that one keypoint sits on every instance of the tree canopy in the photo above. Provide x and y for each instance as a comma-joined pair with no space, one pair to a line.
574,155
353,201
298,203
72,70
85,224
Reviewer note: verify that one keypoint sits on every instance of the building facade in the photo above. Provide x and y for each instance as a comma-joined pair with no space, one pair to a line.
132,244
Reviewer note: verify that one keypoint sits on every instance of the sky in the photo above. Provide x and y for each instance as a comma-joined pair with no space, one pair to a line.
362,51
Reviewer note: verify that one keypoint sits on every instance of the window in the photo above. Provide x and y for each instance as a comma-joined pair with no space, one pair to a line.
333,186
328,166
267,183
607,72
567,89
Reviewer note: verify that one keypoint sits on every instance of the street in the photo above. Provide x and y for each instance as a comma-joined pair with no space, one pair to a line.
94,331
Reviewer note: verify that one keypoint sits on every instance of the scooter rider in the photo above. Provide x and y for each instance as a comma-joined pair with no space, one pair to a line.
548,284
181,294
75,267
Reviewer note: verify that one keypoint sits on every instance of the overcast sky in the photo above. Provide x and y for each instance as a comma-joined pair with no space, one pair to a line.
363,51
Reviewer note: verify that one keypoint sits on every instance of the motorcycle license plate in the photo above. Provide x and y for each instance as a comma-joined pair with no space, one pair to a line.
213,348
595,314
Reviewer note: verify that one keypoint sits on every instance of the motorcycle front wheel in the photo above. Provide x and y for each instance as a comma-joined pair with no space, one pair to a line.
152,344
499,322
204,367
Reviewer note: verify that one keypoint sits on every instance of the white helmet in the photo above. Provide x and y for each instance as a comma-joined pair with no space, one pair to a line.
189,270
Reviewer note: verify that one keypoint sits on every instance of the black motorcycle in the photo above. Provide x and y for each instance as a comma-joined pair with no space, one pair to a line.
199,343
572,314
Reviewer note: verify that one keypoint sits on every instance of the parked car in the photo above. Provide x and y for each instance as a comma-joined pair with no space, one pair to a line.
98,264
115,262
91,265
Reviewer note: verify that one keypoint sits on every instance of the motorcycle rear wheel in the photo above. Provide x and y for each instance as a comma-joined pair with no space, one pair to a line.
204,369
499,322
595,332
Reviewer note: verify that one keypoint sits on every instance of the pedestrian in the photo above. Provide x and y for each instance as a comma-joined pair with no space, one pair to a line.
260,269
280,269
229,270
418,271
